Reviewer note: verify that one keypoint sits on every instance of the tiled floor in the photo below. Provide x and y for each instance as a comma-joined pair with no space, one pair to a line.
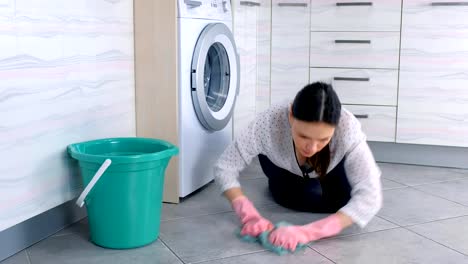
424,220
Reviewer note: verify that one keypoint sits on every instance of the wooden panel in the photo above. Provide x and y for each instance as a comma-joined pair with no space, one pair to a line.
354,49
433,108
378,122
156,66
354,15
360,86
290,48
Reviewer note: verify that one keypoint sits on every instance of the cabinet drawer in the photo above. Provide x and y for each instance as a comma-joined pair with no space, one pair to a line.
433,108
435,14
378,122
360,86
355,15
354,49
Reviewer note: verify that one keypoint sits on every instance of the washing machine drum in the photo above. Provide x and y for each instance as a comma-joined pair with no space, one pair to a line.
215,76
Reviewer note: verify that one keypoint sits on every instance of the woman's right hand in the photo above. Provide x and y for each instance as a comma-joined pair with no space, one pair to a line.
253,224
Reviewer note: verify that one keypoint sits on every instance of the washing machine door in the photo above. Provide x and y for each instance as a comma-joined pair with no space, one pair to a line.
215,76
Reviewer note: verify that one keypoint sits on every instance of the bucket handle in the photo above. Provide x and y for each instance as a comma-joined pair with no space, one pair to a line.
101,170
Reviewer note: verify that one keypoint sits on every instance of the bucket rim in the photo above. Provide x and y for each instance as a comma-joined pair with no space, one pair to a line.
75,152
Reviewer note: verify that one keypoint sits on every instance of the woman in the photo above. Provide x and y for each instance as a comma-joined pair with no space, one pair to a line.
316,158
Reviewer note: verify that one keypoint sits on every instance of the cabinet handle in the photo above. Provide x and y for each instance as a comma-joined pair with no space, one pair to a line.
293,4
193,3
354,4
354,79
249,3
361,116
352,41
449,3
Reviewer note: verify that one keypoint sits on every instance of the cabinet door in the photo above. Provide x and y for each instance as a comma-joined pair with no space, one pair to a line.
290,48
245,34
433,108
433,94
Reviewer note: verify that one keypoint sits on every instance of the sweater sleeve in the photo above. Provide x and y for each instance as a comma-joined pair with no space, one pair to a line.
366,190
238,155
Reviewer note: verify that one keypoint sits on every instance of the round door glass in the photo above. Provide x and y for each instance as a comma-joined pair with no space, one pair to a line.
216,77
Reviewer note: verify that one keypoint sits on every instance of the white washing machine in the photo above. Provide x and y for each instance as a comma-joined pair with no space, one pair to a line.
208,87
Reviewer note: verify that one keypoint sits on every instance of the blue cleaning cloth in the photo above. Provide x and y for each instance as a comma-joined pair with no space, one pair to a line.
262,239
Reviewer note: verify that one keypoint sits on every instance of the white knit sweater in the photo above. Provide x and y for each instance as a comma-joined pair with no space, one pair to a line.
270,134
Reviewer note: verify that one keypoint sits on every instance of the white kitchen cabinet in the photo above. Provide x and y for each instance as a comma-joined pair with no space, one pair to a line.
354,49
355,46
353,15
433,94
378,122
360,86
290,48
252,35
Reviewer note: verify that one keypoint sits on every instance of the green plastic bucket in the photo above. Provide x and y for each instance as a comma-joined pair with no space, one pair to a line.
124,179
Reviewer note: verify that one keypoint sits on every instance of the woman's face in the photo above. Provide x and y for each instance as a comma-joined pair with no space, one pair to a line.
310,137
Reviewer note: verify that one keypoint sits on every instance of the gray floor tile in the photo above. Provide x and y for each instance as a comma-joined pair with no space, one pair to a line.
452,233
396,246
253,171
389,184
215,233
308,256
257,191
209,200
70,249
277,214
205,237
456,190
79,228
415,175
19,258
409,206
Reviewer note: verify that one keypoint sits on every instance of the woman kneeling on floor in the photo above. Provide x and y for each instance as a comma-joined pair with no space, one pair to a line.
316,158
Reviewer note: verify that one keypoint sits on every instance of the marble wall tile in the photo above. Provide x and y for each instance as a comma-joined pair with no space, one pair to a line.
67,76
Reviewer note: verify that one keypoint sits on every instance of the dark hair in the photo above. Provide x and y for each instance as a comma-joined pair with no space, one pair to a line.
318,102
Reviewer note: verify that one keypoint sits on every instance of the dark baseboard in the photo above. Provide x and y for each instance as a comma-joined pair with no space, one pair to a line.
453,157
31,231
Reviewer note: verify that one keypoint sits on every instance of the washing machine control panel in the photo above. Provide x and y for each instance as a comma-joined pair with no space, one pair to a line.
205,9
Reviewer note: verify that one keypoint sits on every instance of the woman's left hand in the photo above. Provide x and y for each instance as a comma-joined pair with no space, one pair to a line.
290,236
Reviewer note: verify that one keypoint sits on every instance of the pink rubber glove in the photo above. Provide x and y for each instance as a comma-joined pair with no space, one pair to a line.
253,224
289,236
